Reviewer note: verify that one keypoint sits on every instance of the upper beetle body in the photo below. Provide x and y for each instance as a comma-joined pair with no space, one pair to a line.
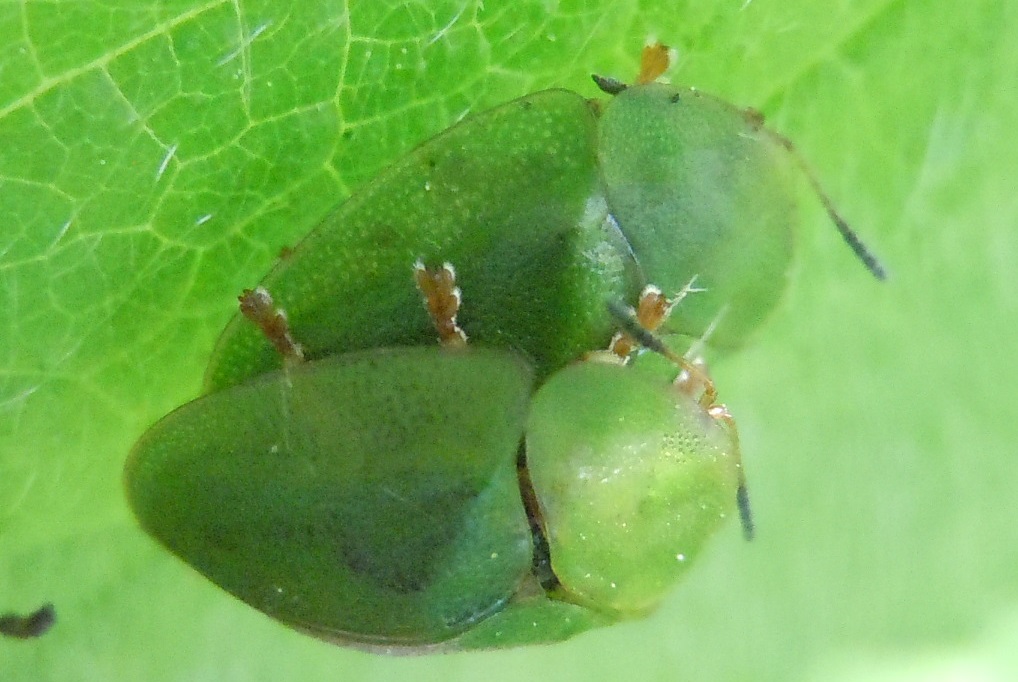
548,206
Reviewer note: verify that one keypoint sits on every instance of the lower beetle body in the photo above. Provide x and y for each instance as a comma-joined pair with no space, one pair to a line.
374,498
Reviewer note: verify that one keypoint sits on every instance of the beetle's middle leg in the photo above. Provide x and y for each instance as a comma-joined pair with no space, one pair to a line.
652,310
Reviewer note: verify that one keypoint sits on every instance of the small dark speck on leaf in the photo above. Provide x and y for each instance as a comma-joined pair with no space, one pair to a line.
33,625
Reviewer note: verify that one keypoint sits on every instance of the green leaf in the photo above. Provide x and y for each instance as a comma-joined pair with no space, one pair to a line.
155,157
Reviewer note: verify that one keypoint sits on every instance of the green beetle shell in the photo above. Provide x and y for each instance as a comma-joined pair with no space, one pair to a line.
372,495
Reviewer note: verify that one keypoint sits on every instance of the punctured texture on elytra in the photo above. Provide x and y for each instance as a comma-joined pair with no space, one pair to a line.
366,497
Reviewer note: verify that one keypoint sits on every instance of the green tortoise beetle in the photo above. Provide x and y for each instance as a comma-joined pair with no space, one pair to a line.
381,490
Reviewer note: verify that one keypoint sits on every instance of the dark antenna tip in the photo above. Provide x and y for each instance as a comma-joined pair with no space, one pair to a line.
847,233
852,239
745,513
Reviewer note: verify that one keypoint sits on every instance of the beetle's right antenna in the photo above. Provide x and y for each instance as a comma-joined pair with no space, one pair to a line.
847,233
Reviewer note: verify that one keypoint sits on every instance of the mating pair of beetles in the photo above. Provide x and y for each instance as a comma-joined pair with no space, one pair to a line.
435,424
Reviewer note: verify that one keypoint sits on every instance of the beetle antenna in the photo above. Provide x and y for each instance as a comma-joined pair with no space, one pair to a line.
541,562
721,412
861,251
745,512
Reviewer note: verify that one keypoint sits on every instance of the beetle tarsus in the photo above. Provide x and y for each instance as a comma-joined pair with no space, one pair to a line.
257,305
442,298
654,61
630,324
651,310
